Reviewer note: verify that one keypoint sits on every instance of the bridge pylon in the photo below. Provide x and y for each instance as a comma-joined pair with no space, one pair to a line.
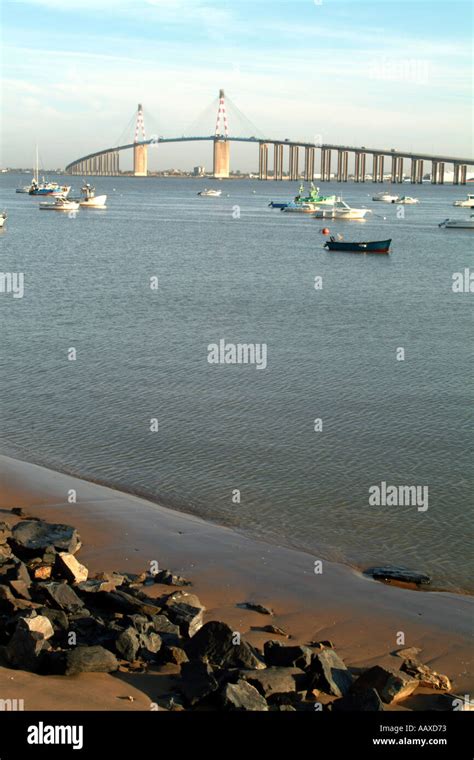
221,158
140,152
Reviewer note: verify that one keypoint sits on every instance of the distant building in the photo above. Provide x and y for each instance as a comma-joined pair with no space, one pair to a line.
198,171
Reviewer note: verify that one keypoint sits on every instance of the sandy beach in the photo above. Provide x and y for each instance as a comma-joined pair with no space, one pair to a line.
362,617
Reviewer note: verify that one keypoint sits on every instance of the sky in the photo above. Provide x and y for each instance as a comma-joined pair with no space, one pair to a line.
386,74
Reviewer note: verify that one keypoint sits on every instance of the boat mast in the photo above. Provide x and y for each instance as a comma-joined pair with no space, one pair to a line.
37,165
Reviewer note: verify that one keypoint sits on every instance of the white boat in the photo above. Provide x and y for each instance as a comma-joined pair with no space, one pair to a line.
385,197
460,224
3,218
406,200
210,193
90,199
60,204
24,189
468,202
342,210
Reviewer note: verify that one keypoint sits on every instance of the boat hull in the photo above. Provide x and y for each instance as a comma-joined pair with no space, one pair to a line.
376,246
95,202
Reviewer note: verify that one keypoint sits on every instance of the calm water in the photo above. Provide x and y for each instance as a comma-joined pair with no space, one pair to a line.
142,354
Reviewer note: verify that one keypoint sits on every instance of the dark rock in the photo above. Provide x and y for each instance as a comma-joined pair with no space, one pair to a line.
128,644
141,623
62,596
330,674
363,701
20,589
197,681
296,656
173,655
326,644
93,659
90,631
186,611
256,608
392,685
10,603
121,601
272,681
242,696
393,573
5,532
426,676
214,643
167,578
273,629
5,553
93,586
284,708
57,618
33,536
162,625
18,511
28,641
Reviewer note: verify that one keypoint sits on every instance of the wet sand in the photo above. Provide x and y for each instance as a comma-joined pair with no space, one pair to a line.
362,617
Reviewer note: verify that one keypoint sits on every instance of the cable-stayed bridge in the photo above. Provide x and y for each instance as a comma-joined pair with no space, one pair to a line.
106,162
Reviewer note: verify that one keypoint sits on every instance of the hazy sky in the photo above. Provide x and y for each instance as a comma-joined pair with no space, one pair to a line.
389,74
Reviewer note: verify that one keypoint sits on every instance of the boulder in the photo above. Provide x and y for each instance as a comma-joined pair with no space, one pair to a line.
214,643
93,585
329,673
186,611
57,618
39,624
128,644
242,696
162,625
5,532
150,644
28,642
140,623
197,681
5,553
394,573
173,655
68,567
426,676
273,681
407,653
256,608
62,596
366,700
31,537
392,685
93,659
129,604
168,579
277,654
20,589
275,630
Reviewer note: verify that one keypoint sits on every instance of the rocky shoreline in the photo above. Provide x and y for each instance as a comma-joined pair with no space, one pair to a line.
55,619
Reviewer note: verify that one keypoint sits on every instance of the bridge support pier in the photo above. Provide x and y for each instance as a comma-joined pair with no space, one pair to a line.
221,162
434,172
420,172
293,165
441,173
375,163
309,164
356,167
263,161
277,161
345,171
140,160
463,174
381,162
340,159
400,169
456,168
325,164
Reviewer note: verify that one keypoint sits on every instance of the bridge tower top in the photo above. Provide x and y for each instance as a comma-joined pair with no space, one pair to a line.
139,125
222,128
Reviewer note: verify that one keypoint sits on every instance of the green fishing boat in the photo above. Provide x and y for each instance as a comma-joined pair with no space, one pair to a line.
314,196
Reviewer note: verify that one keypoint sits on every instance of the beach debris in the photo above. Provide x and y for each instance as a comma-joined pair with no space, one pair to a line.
273,681
186,611
242,696
278,654
33,536
275,629
365,700
94,659
216,643
169,579
393,573
197,681
426,676
255,608
62,596
68,566
391,685
330,673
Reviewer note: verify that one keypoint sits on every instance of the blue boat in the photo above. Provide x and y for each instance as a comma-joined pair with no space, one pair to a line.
375,246
274,204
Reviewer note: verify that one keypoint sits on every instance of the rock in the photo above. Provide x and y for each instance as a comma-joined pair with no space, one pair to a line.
256,608
5,532
214,643
15,571
169,702
325,644
120,601
93,659
39,624
150,644
186,611
173,655
242,696
57,618
20,589
11,604
366,700
393,573
28,642
330,674
90,630
42,572
277,654
33,536
116,578
284,708
62,596
140,623
197,681
93,586
409,653
426,677
162,625
128,644
392,685
68,567
272,681
167,578
5,553
275,630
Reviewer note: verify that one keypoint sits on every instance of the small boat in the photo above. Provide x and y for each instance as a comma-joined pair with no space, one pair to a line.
406,200
210,193
385,197
24,189
46,188
468,202
277,204
314,196
341,210
3,218
60,204
375,246
300,208
460,224
90,199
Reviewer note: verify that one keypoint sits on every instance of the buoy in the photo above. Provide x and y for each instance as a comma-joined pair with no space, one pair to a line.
325,231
